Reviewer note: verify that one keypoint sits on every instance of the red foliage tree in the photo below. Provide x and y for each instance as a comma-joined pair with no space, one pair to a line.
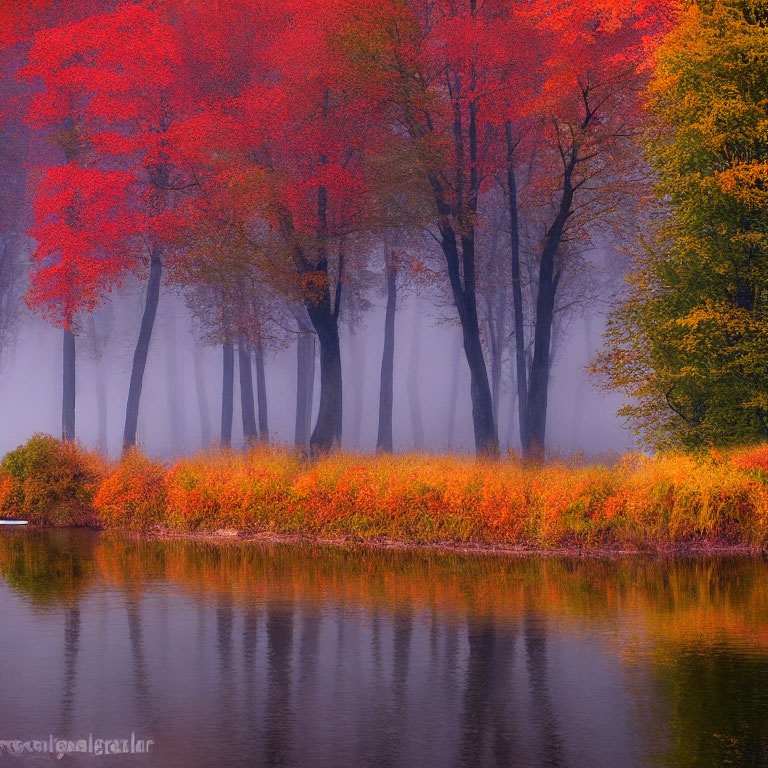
441,70
113,86
286,154
19,22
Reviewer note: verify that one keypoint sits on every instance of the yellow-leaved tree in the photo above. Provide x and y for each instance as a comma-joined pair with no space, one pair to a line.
689,343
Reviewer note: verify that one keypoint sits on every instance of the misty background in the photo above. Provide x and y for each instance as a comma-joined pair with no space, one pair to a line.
181,401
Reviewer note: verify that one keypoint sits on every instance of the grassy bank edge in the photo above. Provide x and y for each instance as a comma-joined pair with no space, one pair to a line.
652,551
676,503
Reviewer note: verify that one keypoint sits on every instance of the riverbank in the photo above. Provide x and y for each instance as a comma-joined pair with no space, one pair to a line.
672,503
230,537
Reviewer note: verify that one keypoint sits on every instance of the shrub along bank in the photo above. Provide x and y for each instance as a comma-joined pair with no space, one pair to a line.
638,503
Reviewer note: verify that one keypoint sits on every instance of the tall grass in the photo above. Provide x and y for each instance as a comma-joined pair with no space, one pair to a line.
638,503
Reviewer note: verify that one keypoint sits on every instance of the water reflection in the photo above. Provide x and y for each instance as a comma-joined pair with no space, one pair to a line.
535,627
71,652
295,656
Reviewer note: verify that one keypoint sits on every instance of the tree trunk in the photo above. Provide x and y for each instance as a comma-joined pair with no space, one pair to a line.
101,410
261,392
465,298
497,329
68,388
202,398
513,412
457,214
227,392
545,313
324,315
305,382
521,372
384,439
540,366
247,405
414,399
327,432
142,350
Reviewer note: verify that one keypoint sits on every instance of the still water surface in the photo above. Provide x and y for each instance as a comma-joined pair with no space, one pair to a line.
249,655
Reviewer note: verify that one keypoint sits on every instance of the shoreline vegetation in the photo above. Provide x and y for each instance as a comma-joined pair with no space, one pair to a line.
672,503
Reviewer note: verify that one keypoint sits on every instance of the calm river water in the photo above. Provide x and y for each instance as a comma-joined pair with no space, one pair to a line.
249,655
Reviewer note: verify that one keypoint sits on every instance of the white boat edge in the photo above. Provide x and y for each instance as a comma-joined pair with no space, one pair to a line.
13,522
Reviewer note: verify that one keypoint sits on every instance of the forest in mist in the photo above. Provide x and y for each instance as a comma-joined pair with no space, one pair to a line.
181,411
389,226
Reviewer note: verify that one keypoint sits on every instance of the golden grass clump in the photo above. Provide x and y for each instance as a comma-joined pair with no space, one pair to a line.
413,497
133,494
231,490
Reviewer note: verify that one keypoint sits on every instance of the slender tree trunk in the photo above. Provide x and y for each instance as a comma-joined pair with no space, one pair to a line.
384,439
324,315
202,398
247,405
465,295
414,399
261,391
101,410
142,350
521,368
305,381
227,392
305,388
68,388
513,395
540,366
497,328
327,432
465,298
545,313
457,212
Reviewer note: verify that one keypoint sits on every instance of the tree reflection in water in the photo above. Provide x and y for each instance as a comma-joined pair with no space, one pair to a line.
279,715
357,657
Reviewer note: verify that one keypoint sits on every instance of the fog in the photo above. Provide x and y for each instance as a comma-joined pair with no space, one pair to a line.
181,400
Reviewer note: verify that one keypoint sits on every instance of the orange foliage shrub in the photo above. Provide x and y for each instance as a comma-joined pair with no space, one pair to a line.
52,482
754,458
230,490
582,506
419,498
133,494
679,498
7,488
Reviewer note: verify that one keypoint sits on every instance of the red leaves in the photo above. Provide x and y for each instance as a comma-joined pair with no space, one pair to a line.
111,88
276,112
115,66
84,225
18,18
